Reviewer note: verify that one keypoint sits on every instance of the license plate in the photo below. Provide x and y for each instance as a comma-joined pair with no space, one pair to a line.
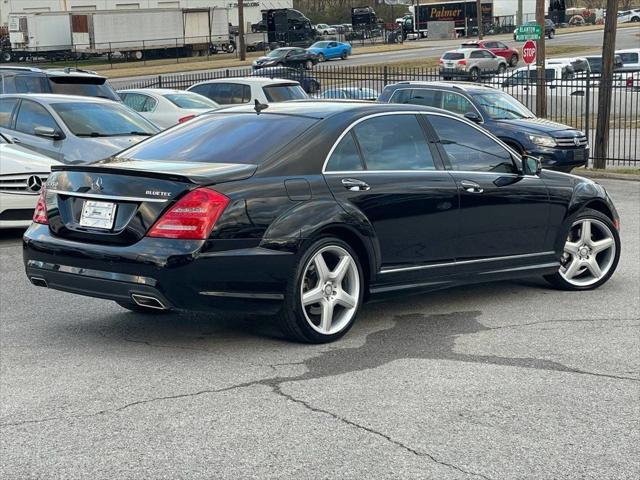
98,214
578,155
448,64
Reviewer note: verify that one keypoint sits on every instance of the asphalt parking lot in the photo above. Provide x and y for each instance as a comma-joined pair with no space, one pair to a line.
502,381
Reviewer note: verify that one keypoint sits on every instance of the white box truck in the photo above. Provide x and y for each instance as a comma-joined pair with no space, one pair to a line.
40,34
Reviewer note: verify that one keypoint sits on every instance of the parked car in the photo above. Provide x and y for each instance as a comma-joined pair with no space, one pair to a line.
629,16
67,81
549,28
287,57
232,91
306,210
71,129
595,63
630,59
324,29
309,83
22,175
166,107
471,63
511,55
350,93
559,146
327,50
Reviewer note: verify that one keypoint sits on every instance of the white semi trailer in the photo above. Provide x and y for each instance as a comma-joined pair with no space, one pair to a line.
133,33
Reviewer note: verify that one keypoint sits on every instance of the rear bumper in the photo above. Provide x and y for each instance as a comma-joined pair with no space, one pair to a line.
181,275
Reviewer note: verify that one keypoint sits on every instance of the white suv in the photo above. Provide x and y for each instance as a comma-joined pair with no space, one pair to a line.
471,64
234,91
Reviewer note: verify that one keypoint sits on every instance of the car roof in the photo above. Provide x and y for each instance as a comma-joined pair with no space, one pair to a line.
464,86
48,98
53,72
157,91
628,50
317,108
262,81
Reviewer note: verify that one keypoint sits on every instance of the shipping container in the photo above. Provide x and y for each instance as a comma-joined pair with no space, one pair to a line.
40,32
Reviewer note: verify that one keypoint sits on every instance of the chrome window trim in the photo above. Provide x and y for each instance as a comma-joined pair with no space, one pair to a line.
463,262
437,90
108,197
412,112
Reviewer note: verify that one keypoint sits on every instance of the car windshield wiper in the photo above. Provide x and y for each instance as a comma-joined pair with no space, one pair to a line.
93,134
144,134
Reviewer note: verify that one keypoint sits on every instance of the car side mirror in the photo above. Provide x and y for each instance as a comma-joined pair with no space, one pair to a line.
531,165
47,132
473,116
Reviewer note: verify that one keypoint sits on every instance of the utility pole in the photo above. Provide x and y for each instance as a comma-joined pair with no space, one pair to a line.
519,14
541,87
243,54
479,18
606,84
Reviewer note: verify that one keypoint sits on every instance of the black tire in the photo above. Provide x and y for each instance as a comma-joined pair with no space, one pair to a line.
556,280
513,61
292,319
134,307
552,34
344,55
6,57
321,57
308,64
501,69
474,75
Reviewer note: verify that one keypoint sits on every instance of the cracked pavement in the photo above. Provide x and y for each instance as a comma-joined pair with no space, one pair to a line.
496,381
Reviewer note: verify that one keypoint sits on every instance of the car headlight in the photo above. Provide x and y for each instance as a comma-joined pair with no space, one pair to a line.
542,140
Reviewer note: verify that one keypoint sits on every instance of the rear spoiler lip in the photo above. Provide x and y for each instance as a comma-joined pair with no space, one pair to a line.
193,179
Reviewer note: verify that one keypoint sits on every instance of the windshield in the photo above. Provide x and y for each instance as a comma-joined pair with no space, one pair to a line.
277,53
320,45
500,106
283,93
83,86
195,102
222,138
102,119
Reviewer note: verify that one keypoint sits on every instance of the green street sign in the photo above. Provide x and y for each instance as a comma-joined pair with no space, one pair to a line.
528,32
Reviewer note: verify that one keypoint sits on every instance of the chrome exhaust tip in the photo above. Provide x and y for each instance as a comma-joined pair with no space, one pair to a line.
39,281
148,301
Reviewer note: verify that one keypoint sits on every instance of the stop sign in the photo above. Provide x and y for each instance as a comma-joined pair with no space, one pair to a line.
529,52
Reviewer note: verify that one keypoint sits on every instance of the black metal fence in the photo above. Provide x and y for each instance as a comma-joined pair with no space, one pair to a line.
571,101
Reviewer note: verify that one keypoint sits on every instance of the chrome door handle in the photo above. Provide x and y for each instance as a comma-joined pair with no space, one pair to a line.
471,187
355,185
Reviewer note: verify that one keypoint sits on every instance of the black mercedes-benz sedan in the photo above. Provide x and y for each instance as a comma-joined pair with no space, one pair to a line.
306,209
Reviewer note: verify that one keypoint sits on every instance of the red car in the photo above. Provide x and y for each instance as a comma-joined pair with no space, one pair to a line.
511,55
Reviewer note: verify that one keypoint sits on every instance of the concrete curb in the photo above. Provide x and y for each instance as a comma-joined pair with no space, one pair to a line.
610,175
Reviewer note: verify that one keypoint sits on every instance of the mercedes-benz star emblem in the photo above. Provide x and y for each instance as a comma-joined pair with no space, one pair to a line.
97,184
34,183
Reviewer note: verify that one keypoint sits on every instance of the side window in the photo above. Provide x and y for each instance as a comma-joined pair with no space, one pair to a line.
500,45
456,103
345,157
32,115
30,84
476,54
394,142
470,150
229,93
203,89
428,98
6,108
487,54
136,101
401,96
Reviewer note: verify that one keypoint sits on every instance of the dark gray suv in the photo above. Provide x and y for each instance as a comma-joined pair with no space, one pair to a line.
66,81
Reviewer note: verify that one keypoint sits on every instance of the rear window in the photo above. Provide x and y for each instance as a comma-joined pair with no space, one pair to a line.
283,93
182,100
102,119
222,138
84,86
453,56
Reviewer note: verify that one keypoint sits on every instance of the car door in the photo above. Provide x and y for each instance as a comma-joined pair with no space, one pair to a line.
502,212
29,116
491,60
333,50
386,168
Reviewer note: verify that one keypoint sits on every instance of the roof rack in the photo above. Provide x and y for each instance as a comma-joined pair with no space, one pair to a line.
15,67
71,70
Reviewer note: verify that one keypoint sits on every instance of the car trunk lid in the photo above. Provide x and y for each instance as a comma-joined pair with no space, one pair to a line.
118,202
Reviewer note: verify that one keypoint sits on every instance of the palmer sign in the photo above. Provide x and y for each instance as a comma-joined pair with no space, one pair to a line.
452,12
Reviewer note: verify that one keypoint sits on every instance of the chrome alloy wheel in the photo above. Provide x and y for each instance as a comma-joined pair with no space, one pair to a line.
588,254
330,290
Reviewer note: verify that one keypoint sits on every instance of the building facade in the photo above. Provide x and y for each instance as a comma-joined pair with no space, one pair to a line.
251,10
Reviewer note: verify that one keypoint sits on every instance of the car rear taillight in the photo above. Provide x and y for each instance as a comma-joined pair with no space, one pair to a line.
462,62
40,213
440,61
185,119
192,217
630,82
